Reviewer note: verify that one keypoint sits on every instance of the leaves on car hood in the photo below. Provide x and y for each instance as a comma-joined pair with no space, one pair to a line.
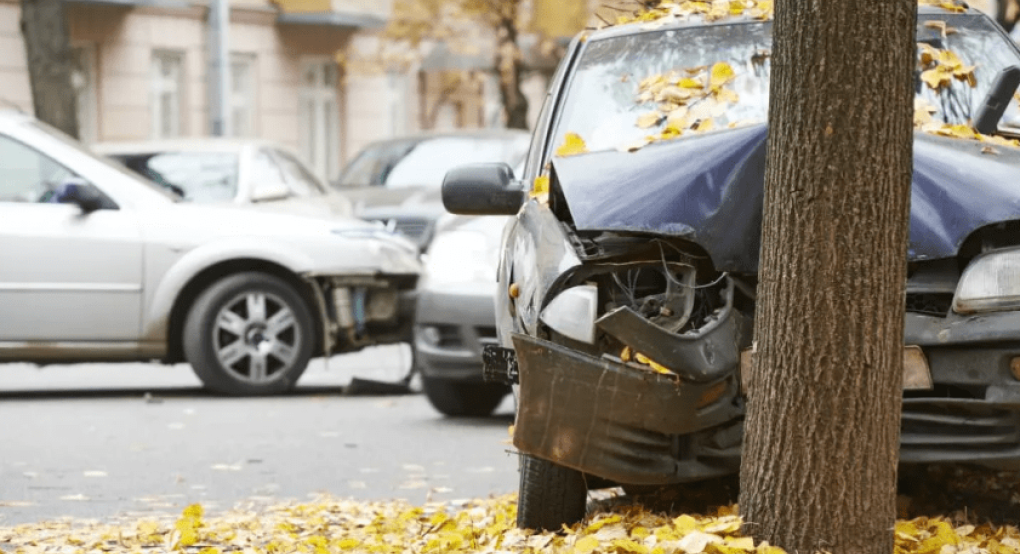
714,10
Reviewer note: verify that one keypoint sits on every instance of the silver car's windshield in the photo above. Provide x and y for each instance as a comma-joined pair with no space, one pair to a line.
200,176
696,79
429,161
74,144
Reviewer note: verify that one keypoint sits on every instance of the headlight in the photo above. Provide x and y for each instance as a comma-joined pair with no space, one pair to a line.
378,233
461,257
991,282
572,313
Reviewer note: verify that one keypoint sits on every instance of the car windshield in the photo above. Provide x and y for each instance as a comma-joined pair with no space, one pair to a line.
373,165
201,176
683,81
428,162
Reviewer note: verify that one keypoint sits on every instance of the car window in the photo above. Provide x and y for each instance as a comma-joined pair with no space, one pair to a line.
27,175
606,96
428,163
201,176
626,88
300,181
266,176
373,165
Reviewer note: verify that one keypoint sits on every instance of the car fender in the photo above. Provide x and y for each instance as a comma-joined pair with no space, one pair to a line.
538,254
184,267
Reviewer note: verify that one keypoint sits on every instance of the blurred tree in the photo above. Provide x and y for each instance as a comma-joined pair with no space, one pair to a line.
416,21
822,426
50,63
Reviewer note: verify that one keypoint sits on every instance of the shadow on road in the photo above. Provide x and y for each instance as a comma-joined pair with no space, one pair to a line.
156,395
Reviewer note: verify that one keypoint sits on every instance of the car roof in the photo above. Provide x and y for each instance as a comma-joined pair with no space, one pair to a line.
459,133
635,28
190,144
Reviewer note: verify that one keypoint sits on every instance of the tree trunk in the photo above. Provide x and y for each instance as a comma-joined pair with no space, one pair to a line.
509,66
50,63
822,428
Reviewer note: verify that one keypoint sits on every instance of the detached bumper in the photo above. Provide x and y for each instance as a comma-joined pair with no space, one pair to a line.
621,423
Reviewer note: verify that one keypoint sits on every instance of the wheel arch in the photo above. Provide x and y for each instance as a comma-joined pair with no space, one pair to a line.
202,280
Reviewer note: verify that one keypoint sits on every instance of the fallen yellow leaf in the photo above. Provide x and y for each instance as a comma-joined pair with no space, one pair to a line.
572,145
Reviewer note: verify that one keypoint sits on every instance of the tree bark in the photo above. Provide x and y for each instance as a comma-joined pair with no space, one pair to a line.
50,63
509,66
822,427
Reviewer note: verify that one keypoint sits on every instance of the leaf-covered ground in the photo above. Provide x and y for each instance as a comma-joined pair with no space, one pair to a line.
615,525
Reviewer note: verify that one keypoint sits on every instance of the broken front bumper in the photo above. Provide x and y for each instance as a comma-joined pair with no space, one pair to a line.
611,420
621,423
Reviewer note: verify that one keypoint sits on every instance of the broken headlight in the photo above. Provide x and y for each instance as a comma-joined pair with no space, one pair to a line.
572,313
991,282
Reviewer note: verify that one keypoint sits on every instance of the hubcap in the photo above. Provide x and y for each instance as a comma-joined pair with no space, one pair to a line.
256,337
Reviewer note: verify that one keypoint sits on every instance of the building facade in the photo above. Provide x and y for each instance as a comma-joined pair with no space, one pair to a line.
143,69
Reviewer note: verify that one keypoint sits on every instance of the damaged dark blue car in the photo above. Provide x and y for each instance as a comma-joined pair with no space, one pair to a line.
626,293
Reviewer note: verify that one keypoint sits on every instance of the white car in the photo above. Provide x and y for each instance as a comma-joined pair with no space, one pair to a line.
456,315
251,172
97,264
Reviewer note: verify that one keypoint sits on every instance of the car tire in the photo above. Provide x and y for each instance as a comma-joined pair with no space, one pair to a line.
550,495
249,334
462,399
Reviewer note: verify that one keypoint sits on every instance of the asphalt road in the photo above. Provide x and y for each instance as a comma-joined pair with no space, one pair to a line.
98,441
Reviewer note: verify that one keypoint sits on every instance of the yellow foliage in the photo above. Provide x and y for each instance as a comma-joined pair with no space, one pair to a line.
475,526
721,74
586,545
541,186
572,145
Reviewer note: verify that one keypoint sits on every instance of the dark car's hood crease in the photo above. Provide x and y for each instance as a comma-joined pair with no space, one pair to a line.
709,190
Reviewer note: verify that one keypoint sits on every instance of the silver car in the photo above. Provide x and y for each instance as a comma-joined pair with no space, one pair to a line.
97,264
398,181
251,172
456,316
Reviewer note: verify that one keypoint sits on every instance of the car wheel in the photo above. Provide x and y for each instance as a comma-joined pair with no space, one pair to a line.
550,495
249,334
457,398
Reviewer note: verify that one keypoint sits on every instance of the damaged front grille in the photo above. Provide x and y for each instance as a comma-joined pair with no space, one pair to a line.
665,312
934,304
935,424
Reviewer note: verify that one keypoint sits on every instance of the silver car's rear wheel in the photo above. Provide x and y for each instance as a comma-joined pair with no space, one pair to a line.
249,334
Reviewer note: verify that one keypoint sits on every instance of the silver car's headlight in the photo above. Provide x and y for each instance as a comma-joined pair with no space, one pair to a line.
991,282
460,257
572,313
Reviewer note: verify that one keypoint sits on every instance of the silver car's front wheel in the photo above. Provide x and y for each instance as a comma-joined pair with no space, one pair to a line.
249,334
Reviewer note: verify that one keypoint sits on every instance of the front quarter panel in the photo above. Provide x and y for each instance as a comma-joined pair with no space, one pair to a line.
537,253
169,268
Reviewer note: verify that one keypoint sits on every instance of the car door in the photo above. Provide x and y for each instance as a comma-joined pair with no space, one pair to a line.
65,276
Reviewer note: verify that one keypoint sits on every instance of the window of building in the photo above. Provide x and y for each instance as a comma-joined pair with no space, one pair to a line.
320,117
242,95
84,82
167,94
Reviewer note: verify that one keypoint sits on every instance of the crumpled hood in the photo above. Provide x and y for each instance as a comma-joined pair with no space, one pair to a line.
709,190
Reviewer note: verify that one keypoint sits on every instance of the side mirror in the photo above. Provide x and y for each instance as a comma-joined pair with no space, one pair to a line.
76,190
998,98
482,189
269,192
